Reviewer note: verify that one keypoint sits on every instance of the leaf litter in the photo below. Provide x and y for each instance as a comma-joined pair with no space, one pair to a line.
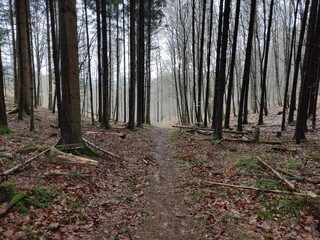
113,201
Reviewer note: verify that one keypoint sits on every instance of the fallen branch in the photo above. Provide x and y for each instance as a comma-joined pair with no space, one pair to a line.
7,172
6,155
303,194
102,150
277,174
70,158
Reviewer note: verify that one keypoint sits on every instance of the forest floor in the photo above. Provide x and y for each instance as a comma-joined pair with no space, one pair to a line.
164,184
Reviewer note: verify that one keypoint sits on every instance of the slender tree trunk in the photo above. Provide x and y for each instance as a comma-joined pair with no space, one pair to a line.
100,103
132,87
148,79
308,71
140,67
124,65
3,112
297,63
105,62
220,85
247,65
14,55
49,57
285,100
265,68
208,66
200,73
89,63
55,53
232,65
118,66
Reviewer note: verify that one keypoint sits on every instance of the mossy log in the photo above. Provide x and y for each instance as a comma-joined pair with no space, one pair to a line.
61,157
7,190
14,201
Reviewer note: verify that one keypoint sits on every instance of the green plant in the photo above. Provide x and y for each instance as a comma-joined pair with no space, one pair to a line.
4,130
267,183
248,164
264,214
42,197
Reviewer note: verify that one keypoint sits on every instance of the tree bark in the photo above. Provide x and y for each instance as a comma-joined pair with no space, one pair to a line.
70,105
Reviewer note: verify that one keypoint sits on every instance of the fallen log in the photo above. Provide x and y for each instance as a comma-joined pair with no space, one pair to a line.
7,172
102,150
62,157
15,200
302,194
277,174
6,155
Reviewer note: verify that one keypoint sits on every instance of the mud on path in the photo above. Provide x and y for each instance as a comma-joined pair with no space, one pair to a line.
167,215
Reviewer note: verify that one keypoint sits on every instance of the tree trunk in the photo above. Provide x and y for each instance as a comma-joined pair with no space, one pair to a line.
132,87
308,74
265,67
220,85
105,66
3,113
206,107
140,67
297,63
24,58
55,53
49,57
70,106
247,65
14,55
89,62
285,100
232,65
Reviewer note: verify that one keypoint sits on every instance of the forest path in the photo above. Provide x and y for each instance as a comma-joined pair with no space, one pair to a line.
168,217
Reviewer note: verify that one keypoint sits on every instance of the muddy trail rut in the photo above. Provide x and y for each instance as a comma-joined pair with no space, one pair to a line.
167,215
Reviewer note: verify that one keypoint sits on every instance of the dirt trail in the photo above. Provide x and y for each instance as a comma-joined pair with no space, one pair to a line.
168,216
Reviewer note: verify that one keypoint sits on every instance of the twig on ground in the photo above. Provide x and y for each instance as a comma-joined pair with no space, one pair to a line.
277,174
7,172
303,194
102,150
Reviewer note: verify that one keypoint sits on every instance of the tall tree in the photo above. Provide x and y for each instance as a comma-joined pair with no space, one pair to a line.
309,72
288,68
206,104
265,67
247,65
98,10
221,81
200,73
232,65
24,60
89,62
55,53
70,105
297,62
140,67
3,114
132,87
49,56
105,67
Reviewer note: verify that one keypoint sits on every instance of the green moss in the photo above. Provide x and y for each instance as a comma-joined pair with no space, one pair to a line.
17,198
86,151
4,129
42,197
7,191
